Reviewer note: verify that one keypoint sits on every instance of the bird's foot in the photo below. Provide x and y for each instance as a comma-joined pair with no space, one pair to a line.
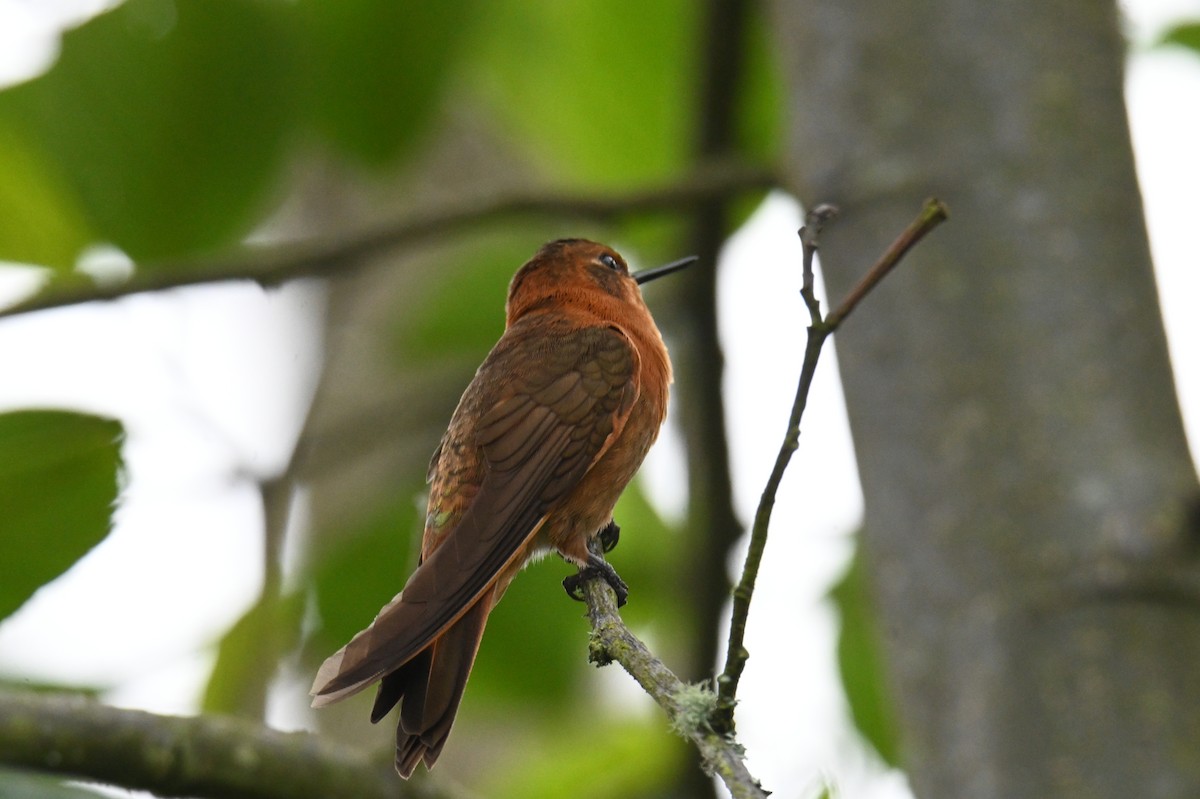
609,536
597,567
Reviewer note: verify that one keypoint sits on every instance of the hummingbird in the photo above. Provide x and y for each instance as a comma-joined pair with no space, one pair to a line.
551,429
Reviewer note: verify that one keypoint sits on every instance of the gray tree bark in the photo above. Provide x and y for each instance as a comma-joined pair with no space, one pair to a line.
1031,528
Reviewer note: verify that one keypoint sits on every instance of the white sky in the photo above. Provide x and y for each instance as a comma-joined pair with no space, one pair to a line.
213,382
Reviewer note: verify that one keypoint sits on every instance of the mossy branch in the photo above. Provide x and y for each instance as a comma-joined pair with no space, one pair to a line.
689,708
206,756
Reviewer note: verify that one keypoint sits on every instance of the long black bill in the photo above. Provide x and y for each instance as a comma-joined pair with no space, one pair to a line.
646,275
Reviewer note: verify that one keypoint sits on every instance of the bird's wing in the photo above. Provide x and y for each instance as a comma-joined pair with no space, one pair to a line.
549,407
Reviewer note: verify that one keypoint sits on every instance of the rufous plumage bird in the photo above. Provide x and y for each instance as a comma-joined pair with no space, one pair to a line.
553,426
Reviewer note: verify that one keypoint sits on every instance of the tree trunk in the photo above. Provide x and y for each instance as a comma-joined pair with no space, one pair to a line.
1031,527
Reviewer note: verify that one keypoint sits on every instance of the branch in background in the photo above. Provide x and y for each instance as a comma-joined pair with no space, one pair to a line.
712,520
689,707
271,266
207,756
249,653
821,328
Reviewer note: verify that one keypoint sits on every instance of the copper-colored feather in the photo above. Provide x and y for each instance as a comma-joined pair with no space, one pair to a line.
551,429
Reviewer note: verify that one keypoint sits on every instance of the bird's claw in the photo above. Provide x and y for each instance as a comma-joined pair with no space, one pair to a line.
597,567
609,536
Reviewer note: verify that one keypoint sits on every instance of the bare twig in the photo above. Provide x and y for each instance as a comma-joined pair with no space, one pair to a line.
689,707
809,242
271,266
207,756
932,215
736,655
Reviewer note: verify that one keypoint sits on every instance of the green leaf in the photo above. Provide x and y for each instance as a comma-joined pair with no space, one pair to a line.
41,221
860,659
377,69
604,92
167,119
600,92
1185,34
58,485
369,567
255,643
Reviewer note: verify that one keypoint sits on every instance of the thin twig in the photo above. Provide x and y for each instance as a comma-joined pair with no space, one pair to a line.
810,236
736,655
271,266
932,215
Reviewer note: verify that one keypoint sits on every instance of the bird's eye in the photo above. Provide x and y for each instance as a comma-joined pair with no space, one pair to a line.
611,262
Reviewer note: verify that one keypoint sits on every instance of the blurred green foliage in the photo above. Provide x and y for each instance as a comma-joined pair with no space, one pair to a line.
41,220
603,94
374,71
168,142
359,577
237,684
596,757
1184,35
165,126
860,660
462,315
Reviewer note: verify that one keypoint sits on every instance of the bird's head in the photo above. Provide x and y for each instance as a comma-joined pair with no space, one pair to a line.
578,271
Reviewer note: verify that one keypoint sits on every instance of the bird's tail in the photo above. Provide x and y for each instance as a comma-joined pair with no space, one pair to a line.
431,686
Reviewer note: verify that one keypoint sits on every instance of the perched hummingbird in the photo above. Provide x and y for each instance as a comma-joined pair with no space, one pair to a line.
551,429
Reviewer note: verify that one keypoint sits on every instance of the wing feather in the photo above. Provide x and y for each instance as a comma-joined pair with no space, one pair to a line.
539,430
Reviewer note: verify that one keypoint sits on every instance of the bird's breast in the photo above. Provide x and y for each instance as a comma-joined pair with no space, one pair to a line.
589,506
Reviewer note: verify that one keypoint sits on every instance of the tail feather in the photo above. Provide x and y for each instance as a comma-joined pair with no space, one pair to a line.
432,687
428,684
407,681
351,669
409,752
